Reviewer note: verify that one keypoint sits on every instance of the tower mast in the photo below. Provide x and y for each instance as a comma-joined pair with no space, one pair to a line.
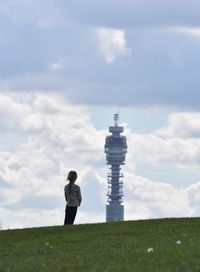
115,149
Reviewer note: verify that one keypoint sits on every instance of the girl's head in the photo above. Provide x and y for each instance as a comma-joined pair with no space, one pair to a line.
72,176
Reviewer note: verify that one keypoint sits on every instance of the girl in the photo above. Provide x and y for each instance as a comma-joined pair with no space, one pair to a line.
73,198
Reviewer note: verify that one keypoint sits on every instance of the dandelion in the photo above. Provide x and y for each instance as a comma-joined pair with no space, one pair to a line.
150,250
178,242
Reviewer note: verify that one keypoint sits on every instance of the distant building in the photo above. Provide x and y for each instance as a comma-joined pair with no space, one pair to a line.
115,149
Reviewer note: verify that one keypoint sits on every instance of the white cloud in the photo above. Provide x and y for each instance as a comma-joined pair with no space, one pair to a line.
113,43
176,144
148,199
50,136
176,151
55,137
182,125
30,218
58,65
193,31
90,217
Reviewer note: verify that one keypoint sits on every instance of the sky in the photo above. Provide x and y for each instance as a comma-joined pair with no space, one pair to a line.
65,68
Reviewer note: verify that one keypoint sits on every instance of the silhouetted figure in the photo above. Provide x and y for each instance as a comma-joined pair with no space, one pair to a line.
73,198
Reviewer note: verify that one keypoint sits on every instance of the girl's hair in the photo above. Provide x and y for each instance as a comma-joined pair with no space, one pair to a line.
72,176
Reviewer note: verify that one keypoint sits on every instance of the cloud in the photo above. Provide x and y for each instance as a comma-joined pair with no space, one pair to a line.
50,57
161,200
127,13
148,199
45,15
161,72
113,43
51,136
193,31
176,144
182,124
136,13
29,218
175,151
58,65
157,74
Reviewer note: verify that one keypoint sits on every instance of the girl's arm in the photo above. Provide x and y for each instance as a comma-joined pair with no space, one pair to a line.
79,195
66,198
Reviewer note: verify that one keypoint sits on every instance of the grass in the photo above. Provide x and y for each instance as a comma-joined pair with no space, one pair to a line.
119,246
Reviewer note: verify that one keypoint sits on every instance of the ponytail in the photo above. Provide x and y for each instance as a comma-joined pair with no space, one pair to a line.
70,186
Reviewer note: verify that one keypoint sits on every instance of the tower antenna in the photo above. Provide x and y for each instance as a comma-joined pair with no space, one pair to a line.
116,116
116,119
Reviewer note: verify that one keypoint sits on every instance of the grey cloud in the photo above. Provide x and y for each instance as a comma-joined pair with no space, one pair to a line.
123,13
134,13
162,69
27,50
47,13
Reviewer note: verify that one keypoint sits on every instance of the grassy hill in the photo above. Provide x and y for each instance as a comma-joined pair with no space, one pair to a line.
147,245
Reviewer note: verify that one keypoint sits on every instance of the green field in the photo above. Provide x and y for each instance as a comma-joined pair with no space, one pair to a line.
146,245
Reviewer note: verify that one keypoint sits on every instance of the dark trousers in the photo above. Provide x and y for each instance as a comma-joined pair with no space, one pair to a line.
70,214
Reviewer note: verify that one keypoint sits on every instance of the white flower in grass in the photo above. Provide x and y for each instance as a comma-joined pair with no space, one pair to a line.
178,242
150,250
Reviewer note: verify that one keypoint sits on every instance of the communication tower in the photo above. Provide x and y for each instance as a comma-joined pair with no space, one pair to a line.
115,149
